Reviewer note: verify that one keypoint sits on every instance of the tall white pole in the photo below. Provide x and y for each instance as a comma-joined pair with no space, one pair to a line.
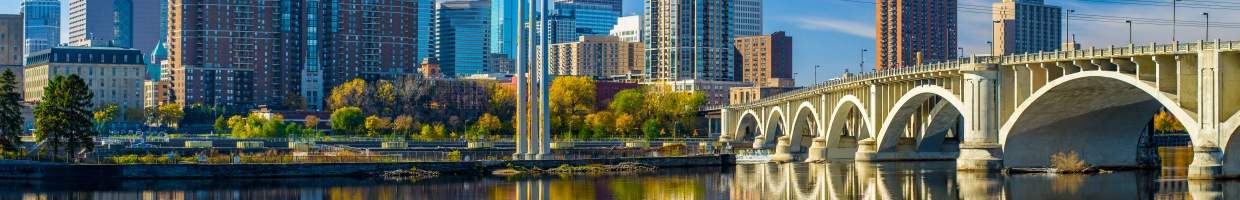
520,119
534,122
545,141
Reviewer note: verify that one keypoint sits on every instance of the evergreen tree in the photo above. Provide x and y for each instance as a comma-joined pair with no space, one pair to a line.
10,112
81,135
63,117
49,117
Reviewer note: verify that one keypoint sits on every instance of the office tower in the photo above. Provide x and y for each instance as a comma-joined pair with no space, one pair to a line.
765,59
595,17
160,52
747,17
284,54
599,57
912,32
504,27
115,74
426,21
689,40
40,25
461,37
1026,26
628,28
563,29
115,23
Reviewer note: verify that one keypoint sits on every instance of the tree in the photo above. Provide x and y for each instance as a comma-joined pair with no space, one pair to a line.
312,122
624,124
651,129
571,98
169,115
62,117
104,116
10,112
349,94
221,124
347,120
260,126
1165,122
377,126
403,126
600,122
629,101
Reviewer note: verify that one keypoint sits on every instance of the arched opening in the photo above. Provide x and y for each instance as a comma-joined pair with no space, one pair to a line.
1103,117
804,129
1231,154
925,121
774,128
848,123
746,131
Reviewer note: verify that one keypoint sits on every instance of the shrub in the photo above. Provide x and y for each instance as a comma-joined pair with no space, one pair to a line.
1069,162
453,156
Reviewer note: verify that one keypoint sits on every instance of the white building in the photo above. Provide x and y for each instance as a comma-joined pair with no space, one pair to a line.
628,28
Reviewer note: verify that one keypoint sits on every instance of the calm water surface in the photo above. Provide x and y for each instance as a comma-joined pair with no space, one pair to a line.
836,180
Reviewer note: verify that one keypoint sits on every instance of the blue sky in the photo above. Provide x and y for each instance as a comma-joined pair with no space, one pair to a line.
831,33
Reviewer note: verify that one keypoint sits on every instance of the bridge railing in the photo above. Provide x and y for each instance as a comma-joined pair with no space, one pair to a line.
1153,48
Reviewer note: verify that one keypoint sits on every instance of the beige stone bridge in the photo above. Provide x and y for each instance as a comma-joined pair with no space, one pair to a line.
1012,111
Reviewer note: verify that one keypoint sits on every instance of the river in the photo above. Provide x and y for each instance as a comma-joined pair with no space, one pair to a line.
834,180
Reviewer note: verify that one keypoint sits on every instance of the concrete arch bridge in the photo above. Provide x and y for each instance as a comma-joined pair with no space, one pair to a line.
988,113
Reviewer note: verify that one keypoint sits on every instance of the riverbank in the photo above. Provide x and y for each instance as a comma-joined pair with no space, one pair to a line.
30,170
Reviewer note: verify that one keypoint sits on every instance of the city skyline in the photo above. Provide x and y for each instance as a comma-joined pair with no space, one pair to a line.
834,40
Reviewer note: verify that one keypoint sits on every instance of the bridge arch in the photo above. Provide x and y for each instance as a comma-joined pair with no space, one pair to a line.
899,116
839,117
747,128
1231,151
806,120
773,128
1098,114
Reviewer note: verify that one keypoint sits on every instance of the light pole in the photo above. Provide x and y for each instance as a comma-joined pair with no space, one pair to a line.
992,47
1173,21
1067,24
816,73
861,66
1207,25
1129,30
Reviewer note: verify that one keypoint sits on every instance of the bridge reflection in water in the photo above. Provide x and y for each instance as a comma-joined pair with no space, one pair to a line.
834,180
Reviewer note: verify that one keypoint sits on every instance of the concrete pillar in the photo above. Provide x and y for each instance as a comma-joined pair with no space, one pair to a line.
817,150
867,150
980,150
783,150
726,126
1207,156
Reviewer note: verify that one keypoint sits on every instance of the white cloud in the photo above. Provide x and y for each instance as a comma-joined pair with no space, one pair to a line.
860,29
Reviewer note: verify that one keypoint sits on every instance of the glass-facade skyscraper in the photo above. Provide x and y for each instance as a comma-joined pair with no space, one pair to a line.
41,25
590,18
114,23
504,27
426,24
462,30
689,40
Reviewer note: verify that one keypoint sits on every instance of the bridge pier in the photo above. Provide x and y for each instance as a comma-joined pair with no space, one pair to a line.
817,150
1206,163
783,150
980,150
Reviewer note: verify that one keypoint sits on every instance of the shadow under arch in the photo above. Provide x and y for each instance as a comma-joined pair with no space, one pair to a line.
848,122
773,128
895,124
1099,114
805,127
747,128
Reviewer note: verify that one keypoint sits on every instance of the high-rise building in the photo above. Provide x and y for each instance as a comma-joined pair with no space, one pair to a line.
747,17
462,29
504,27
628,28
10,42
40,25
764,58
600,57
1026,26
426,21
160,52
689,40
912,32
115,23
283,54
115,75
563,29
595,17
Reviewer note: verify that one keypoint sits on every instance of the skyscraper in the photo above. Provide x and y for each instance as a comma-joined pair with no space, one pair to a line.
117,23
689,40
628,28
914,31
461,37
595,17
504,27
426,21
41,25
1026,26
747,17
10,42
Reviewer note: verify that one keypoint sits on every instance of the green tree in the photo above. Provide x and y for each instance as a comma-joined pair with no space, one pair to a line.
260,126
10,112
220,125
348,120
63,119
651,129
104,116
349,94
168,115
629,101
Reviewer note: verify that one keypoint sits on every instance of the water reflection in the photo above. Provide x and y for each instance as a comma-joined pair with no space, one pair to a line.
834,180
